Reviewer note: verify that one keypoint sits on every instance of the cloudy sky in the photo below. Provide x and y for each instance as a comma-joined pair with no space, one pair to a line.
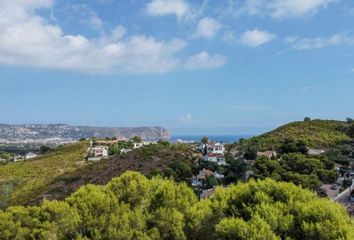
195,67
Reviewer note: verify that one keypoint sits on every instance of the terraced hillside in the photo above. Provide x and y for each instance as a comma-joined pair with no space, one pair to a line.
20,182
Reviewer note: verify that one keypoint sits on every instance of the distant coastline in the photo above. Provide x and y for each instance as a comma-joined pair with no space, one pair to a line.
218,138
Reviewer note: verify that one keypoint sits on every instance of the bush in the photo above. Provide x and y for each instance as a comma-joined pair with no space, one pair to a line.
133,207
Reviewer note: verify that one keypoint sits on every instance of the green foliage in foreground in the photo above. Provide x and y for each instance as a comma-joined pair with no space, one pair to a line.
315,133
133,207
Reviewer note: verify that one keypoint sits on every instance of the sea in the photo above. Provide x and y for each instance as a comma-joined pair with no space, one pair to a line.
217,138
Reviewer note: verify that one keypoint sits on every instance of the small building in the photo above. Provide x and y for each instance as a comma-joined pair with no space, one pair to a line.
99,151
137,145
218,175
203,174
268,154
197,181
315,152
30,155
215,148
18,158
217,158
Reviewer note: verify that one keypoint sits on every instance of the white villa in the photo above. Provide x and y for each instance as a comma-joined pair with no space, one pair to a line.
216,148
30,155
217,158
97,153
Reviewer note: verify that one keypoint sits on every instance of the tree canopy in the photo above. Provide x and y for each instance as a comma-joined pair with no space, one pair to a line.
133,207
297,168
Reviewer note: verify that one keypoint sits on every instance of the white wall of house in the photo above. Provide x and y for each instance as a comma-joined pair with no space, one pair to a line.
100,151
219,159
215,148
30,156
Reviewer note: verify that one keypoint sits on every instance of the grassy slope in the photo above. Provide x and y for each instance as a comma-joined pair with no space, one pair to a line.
147,160
22,181
315,133
58,174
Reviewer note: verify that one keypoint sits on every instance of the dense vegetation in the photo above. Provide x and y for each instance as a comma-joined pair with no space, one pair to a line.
5,156
22,182
133,207
291,158
297,168
314,133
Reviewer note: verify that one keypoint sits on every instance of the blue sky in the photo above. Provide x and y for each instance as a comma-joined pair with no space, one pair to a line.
195,67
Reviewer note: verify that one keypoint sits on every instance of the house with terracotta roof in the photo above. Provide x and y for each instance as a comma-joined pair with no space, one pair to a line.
197,181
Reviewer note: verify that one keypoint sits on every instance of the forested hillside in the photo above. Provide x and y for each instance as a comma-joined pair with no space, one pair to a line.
314,133
133,207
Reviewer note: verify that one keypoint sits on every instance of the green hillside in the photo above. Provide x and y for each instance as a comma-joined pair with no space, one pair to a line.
60,173
315,133
20,182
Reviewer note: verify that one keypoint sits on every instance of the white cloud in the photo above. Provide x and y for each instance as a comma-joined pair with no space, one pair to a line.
167,7
254,38
27,39
207,27
204,61
319,42
283,8
118,32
